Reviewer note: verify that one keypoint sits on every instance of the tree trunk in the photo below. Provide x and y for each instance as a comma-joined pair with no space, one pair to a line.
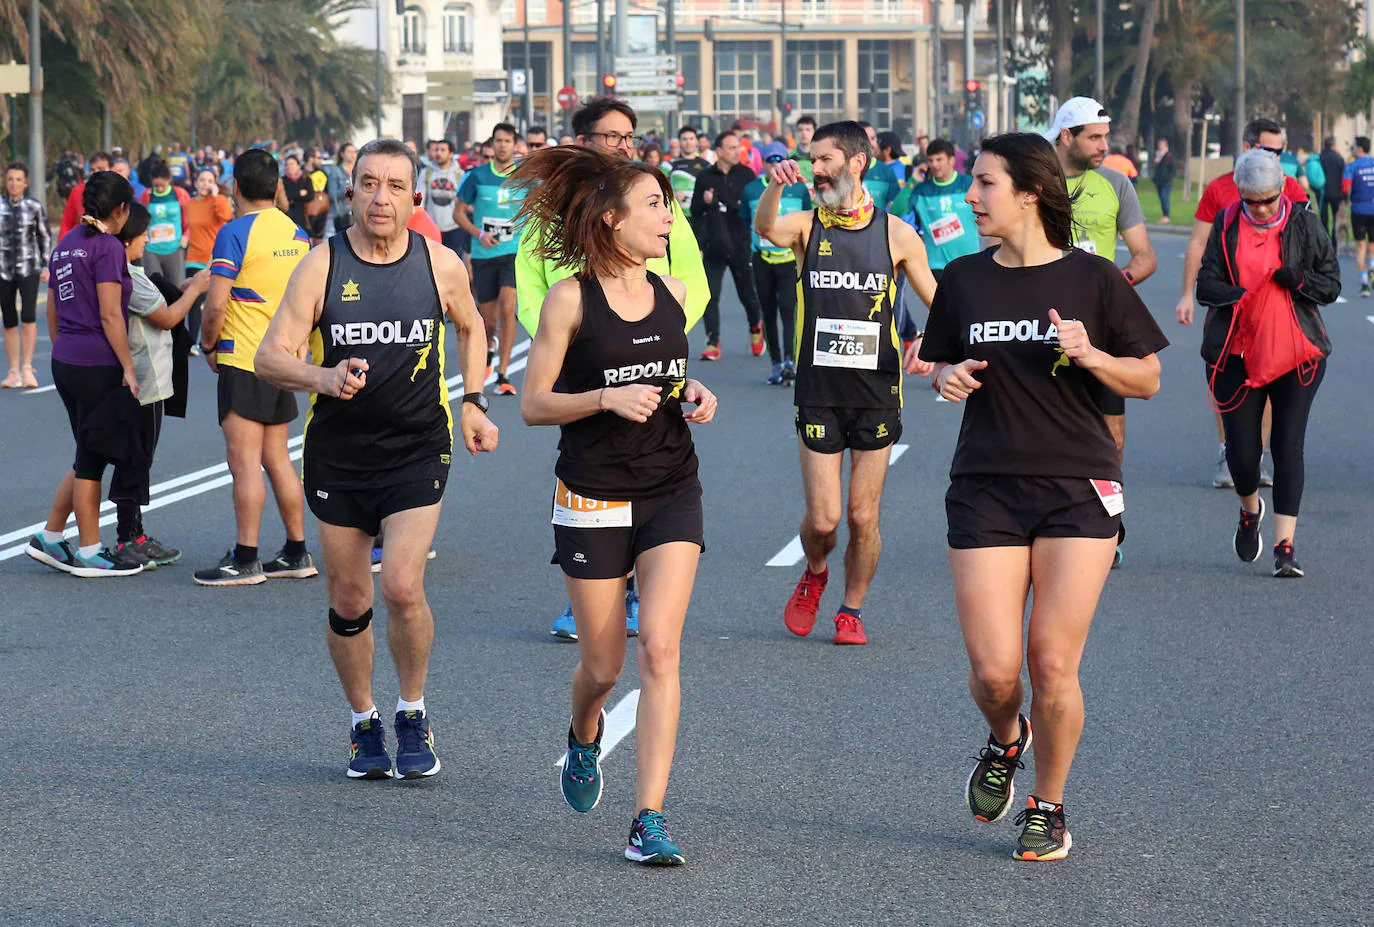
1061,48
1183,114
1128,126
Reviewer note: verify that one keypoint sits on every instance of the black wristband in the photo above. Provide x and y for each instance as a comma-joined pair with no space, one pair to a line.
213,350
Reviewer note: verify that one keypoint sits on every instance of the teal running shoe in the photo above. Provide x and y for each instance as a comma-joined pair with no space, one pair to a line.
649,841
564,626
59,556
631,613
581,775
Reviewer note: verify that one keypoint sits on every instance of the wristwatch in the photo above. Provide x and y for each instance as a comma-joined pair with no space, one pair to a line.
477,399
210,350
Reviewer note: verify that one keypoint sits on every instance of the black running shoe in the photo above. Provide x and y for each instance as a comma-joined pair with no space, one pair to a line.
157,553
1248,539
130,552
1285,563
230,573
284,567
367,757
990,789
1044,836
1364,290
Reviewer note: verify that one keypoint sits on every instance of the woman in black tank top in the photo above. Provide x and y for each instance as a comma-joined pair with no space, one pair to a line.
609,366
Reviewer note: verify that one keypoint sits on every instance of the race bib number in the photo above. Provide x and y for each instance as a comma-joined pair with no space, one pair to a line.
160,234
1112,496
503,229
946,228
1087,245
576,511
847,343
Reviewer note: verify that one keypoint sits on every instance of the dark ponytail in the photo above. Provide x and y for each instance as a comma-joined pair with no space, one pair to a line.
106,191
568,190
1034,168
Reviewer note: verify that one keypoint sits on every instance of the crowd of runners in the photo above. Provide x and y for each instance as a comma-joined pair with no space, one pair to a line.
288,274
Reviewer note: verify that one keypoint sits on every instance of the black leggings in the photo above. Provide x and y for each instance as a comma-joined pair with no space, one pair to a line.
1330,210
738,262
1291,395
26,289
777,287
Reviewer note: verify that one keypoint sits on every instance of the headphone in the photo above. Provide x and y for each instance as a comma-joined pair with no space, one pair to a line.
419,197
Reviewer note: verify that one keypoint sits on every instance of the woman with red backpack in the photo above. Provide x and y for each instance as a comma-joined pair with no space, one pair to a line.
1268,266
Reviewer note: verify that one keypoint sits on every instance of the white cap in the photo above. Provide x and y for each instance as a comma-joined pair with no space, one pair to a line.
1079,111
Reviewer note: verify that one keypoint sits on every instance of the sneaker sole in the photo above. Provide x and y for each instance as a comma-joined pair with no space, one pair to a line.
656,859
561,635
235,581
93,573
293,574
840,643
1029,856
419,774
166,561
47,559
1011,786
377,772
1289,572
1259,540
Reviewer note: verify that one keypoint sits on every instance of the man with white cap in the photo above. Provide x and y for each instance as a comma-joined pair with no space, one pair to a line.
1104,205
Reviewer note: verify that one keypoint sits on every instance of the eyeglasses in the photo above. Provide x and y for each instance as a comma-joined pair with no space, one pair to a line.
1273,151
1266,202
615,139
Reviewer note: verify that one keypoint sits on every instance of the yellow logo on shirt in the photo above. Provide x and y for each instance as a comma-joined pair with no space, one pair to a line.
877,305
677,389
882,430
422,363
350,292
1061,361
824,249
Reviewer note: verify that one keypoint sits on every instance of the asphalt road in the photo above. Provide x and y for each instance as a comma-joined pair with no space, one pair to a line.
175,754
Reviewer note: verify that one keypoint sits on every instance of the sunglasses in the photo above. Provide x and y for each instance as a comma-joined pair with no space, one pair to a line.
1273,151
1266,202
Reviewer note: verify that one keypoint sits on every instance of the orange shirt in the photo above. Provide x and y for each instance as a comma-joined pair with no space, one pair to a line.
204,219
1121,164
422,223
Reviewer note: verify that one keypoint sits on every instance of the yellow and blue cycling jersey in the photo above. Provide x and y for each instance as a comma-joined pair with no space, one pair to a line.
257,252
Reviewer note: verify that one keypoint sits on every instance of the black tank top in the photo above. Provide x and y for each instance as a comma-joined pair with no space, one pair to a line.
847,345
399,427
605,456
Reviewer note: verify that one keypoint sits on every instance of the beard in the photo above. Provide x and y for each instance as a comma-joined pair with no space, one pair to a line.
837,192
1082,163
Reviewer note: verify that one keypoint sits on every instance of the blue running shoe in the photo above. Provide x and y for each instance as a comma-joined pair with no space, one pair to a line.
775,376
59,556
415,756
581,776
564,627
368,758
649,841
631,613
376,558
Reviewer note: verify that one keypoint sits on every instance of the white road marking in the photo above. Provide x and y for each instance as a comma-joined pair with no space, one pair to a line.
1370,318
1342,299
620,721
792,554
218,475
41,389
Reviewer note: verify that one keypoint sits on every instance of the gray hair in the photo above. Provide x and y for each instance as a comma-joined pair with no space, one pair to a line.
1259,171
389,146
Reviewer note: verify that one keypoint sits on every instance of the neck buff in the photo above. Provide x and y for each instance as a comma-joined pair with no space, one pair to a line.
848,218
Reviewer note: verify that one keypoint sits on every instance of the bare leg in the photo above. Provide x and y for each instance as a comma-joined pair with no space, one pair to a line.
28,341
62,503
286,485
1068,575
348,566
243,440
599,609
506,311
491,315
666,576
990,588
867,475
1266,423
410,623
824,504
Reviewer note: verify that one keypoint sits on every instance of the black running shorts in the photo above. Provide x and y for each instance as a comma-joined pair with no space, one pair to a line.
364,509
1362,227
489,275
241,392
828,430
606,553
1012,511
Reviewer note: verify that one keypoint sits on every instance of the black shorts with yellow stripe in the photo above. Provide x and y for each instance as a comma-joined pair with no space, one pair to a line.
832,430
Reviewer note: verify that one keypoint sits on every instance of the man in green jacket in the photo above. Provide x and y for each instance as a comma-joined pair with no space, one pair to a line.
608,125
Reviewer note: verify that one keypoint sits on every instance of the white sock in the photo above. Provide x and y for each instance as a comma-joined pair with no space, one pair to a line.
90,550
52,537
360,716
417,705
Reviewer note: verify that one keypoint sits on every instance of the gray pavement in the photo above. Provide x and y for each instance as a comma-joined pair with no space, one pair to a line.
175,755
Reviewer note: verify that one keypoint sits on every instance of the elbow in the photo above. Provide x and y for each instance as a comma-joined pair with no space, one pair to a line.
529,411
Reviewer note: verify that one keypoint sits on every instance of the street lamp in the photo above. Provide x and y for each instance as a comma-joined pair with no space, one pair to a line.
37,160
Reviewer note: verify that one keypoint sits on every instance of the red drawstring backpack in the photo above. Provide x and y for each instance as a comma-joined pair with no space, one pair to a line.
1264,329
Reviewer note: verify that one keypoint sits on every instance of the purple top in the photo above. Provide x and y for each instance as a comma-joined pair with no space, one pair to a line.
78,263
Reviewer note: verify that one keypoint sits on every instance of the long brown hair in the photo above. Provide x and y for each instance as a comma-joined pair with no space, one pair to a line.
568,189
1034,168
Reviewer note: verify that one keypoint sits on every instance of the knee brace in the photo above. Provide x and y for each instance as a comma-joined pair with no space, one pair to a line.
345,628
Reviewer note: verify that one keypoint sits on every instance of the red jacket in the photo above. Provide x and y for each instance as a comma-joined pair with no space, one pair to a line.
71,215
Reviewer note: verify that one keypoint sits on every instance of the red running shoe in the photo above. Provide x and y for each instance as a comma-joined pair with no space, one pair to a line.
800,613
849,629
756,339
712,353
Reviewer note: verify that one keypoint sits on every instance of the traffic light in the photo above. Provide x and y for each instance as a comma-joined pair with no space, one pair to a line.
680,81
971,88
608,82
784,105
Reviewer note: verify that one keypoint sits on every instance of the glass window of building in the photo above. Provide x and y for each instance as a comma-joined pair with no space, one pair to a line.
537,11
875,82
458,28
508,11
744,78
813,78
413,31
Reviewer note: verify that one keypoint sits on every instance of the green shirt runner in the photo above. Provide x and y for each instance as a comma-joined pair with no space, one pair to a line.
944,220
796,198
494,205
1104,205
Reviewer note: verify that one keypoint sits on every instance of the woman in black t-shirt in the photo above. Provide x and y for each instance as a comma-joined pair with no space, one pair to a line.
298,192
1028,334
609,365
